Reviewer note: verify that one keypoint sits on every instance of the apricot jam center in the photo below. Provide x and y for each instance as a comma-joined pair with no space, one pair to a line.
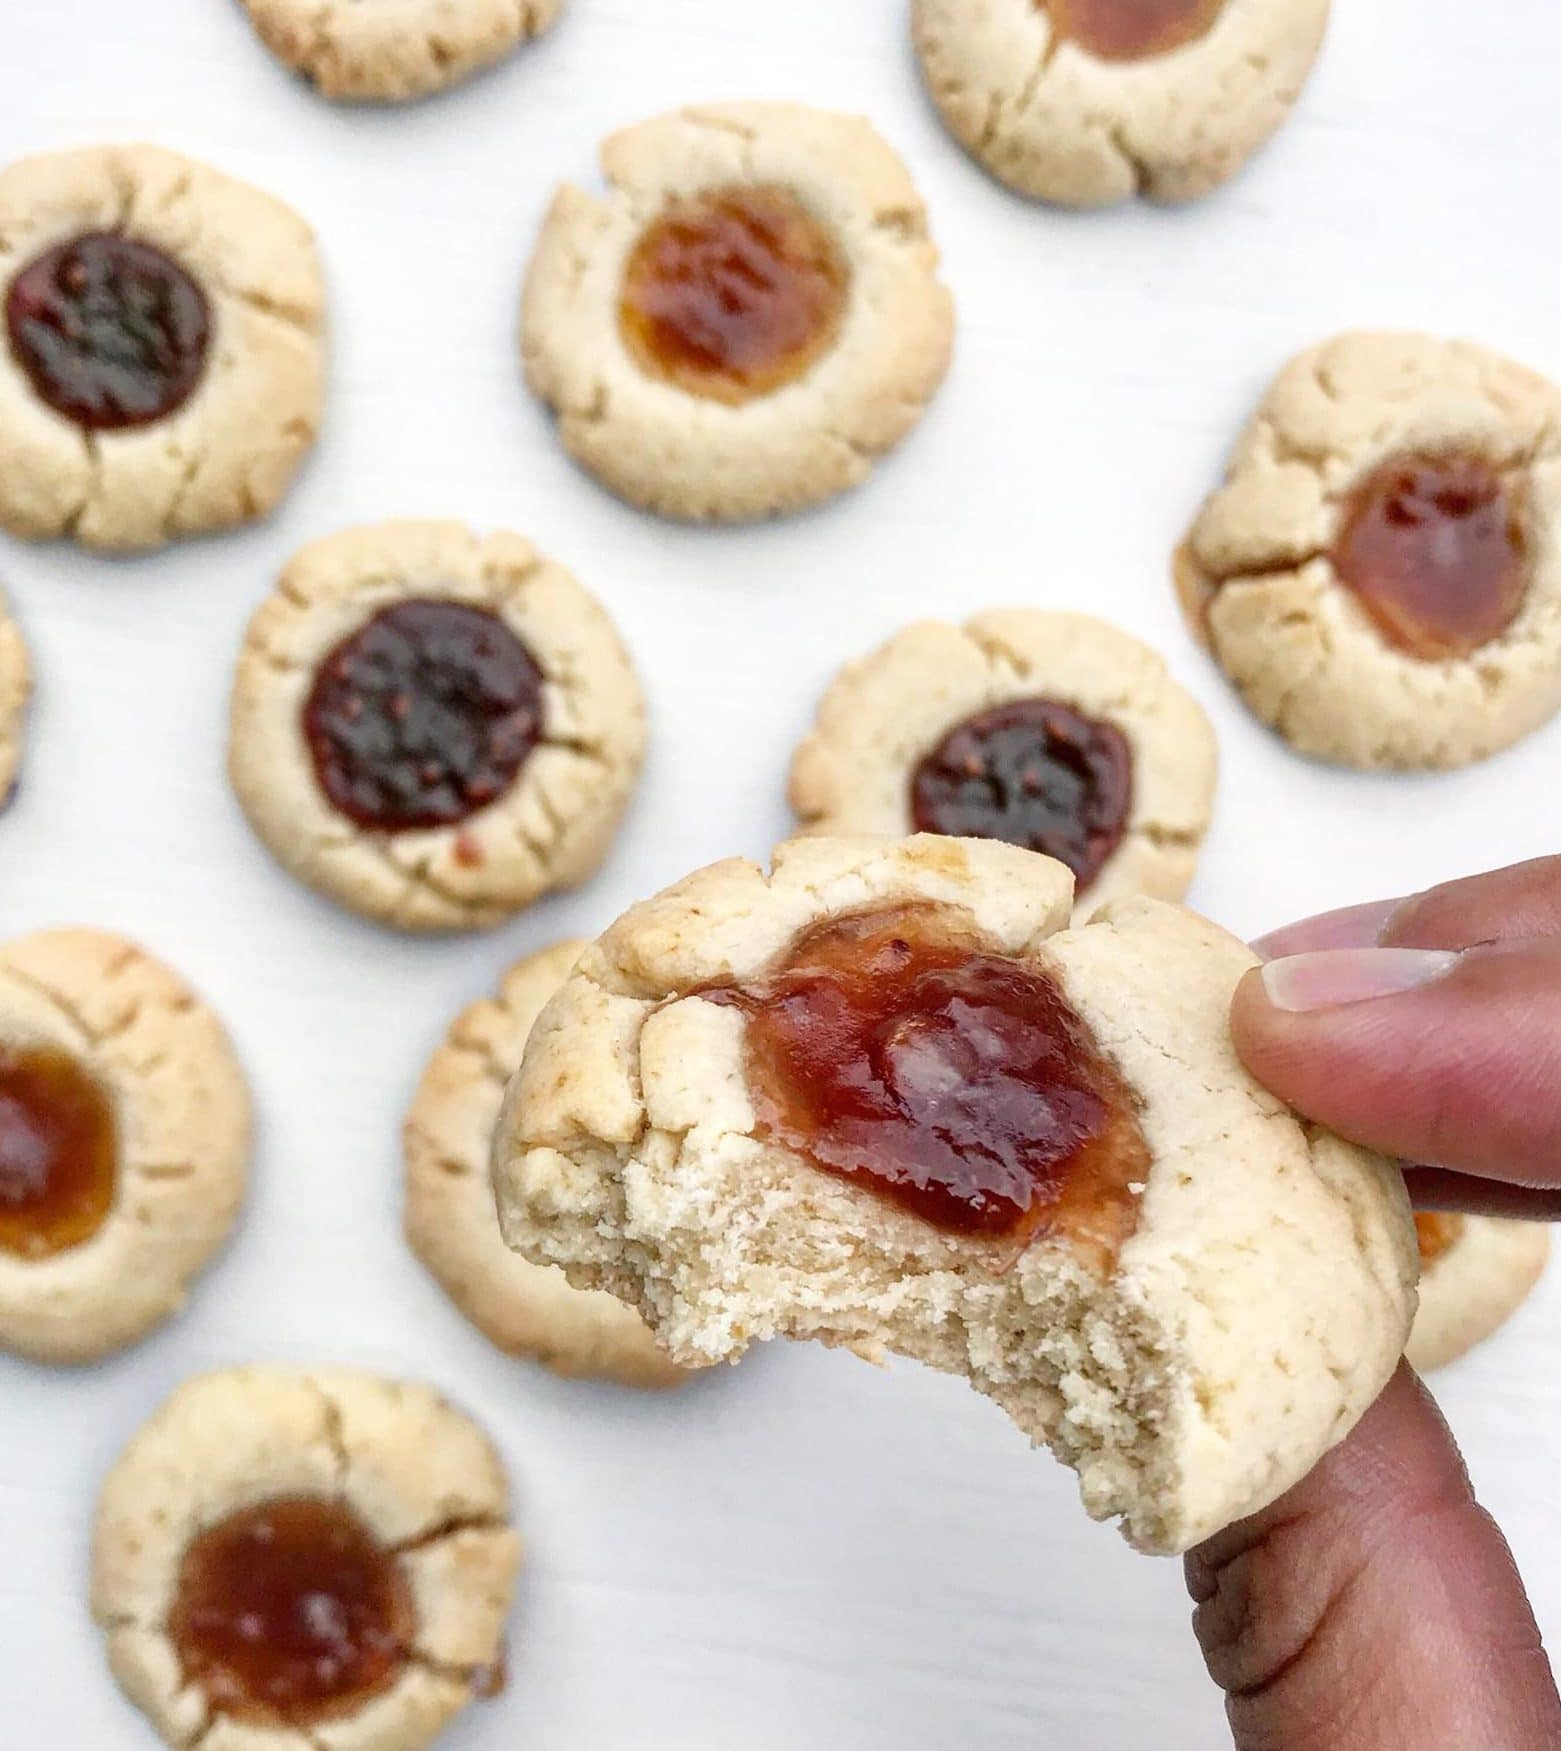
290,1612
732,294
1436,550
423,716
112,333
892,1049
1034,773
1132,30
59,1152
1437,1233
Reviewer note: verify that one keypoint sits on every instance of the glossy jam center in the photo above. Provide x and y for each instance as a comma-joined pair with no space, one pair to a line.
423,716
59,1152
1437,1233
1436,550
1034,773
112,333
1132,30
889,1047
290,1611
733,294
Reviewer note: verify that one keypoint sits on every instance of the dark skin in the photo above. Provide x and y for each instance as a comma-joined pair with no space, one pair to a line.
1376,1606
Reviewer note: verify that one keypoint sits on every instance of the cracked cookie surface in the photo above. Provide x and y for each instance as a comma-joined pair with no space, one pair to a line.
1263,571
1056,113
439,772
1253,1312
1476,1272
15,690
451,1224
124,1143
251,381
394,50
409,1497
883,716
784,253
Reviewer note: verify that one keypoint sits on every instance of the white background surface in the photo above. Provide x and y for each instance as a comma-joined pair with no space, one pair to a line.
803,1552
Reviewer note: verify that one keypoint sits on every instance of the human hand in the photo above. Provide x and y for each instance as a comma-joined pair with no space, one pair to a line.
1376,1607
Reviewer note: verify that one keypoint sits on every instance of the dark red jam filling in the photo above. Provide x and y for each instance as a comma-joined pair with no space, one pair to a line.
59,1152
1132,30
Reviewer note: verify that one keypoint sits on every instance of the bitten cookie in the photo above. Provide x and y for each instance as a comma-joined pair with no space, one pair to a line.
394,50
1086,102
1475,1273
163,373
885,1097
288,1561
527,1309
124,1143
15,690
747,320
1380,574
1055,732
434,728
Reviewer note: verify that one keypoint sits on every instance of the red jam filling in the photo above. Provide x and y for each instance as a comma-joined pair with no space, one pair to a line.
1132,30
59,1152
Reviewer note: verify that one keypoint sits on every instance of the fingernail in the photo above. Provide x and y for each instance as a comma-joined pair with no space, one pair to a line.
1349,927
1331,978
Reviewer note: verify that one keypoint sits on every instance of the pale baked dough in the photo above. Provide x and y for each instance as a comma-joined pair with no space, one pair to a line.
15,689
1470,1291
551,829
422,1476
881,717
688,456
184,1123
1258,582
1256,1312
451,1224
230,452
389,51
1052,120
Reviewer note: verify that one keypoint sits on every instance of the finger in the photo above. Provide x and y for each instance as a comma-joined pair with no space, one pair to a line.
1446,1059
1375,1605
1434,1188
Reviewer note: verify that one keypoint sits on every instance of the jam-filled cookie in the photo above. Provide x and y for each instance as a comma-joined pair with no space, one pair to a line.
1056,732
124,1143
15,689
1475,1273
315,1559
393,50
885,1097
1380,574
1086,102
747,320
162,371
529,1310
434,728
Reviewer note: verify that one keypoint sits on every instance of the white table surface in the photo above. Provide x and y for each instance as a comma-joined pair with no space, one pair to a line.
803,1552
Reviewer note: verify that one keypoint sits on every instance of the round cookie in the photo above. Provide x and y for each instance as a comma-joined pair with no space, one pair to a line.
1056,732
15,690
526,1309
395,50
288,1560
162,369
434,728
747,320
1087,102
884,1097
124,1143
1475,1273
1380,573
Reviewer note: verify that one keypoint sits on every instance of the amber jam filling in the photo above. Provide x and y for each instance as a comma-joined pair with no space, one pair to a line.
1437,1233
290,1612
891,1048
112,333
1035,773
423,716
59,1152
733,294
1132,30
1436,550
